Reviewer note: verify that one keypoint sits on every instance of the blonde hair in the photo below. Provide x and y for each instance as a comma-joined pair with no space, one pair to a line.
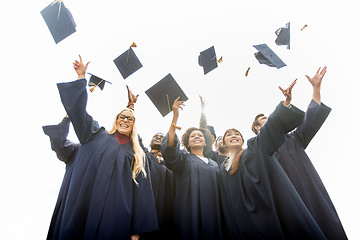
138,161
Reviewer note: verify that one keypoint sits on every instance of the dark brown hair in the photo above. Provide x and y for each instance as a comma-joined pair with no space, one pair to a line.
205,132
236,160
256,123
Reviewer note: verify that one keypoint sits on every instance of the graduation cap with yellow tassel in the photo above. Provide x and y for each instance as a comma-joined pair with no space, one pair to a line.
95,81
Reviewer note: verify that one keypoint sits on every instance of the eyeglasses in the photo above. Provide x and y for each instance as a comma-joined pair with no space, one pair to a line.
129,118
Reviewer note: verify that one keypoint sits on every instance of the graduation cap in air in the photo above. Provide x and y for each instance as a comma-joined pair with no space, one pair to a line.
95,81
59,20
283,36
207,60
266,56
164,93
128,63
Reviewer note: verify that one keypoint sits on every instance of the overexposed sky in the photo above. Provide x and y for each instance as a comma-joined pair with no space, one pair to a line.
169,37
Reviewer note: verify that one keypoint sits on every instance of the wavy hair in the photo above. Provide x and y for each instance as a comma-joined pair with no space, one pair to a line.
138,161
205,132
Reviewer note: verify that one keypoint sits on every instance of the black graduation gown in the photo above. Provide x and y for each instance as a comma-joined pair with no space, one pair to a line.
65,151
303,175
197,213
163,189
259,201
102,202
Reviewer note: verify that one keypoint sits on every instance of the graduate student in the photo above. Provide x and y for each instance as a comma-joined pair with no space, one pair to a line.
163,189
297,165
258,199
110,195
197,207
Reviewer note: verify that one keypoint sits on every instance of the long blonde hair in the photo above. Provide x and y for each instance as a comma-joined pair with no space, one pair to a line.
138,162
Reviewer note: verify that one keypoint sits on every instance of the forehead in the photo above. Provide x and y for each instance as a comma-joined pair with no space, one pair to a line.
196,132
127,113
158,135
232,131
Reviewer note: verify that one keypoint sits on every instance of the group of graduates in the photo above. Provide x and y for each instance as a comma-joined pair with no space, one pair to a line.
115,188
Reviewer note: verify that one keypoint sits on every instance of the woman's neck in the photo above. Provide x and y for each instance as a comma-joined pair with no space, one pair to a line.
198,152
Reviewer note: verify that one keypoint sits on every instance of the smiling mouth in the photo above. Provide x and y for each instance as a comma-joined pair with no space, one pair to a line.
124,125
234,140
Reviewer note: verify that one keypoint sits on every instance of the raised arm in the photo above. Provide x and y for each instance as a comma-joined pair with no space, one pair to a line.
175,108
74,98
316,113
316,84
203,120
284,119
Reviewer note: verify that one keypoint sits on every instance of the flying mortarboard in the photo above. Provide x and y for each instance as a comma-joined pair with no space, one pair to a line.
207,59
268,57
128,63
164,93
95,81
283,36
59,20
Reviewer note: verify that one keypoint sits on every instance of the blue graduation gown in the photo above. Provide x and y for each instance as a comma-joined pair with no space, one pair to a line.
197,213
65,151
259,201
102,202
297,165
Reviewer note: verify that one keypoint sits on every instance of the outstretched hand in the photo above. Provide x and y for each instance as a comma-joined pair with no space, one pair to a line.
316,80
80,68
132,98
203,104
287,93
177,104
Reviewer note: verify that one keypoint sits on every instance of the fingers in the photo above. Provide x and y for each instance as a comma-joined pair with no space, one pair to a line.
292,84
282,90
80,58
318,70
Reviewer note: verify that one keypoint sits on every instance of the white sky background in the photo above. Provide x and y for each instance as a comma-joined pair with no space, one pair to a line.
170,35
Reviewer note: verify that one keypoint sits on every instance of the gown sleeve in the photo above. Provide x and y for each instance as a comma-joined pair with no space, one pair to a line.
74,98
64,148
280,122
173,155
314,118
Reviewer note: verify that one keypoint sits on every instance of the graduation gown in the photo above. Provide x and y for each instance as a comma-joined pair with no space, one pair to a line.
259,201
65,151
297,165
102,201
197,213
163,189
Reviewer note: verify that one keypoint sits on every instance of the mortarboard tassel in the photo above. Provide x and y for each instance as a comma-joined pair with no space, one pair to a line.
220,60
247,72
303,27
59,1
132,45
93,88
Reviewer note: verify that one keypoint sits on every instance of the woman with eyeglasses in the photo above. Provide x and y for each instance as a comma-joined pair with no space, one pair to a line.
258,199
109,195
196,204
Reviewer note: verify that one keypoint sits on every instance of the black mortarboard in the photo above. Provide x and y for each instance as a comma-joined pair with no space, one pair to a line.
127,63
59,20
96,81
283,36
268,57
207,59
164,93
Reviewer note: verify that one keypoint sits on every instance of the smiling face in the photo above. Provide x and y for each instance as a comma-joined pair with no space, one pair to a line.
233,140
196,140
156,141
125,122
